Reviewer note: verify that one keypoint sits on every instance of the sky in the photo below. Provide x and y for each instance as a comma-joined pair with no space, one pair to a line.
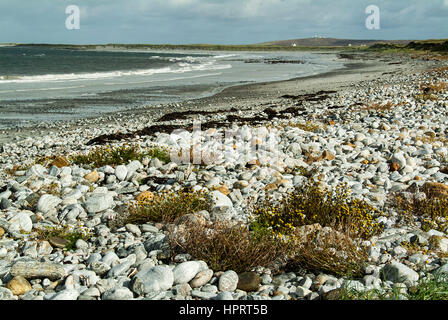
217,21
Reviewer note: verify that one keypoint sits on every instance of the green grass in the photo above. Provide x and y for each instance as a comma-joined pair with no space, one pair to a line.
426,289
166,207
113,156
64,232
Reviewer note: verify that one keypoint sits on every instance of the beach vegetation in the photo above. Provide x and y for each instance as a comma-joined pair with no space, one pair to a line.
314,203
165,207
70,234
112,156
324,227
427,289
431,211
226,246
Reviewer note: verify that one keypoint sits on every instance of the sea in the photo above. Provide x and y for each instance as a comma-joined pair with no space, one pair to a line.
44,83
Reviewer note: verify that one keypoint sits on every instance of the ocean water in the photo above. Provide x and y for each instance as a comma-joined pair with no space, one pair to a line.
46,83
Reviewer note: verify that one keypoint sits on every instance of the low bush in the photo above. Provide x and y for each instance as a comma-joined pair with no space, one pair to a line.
166,207
432,211
68,233
105,155
312,203
228,247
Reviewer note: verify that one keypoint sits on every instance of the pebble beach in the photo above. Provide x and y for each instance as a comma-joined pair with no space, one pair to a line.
379,125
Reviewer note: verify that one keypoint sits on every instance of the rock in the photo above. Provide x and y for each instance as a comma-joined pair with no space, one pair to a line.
36,270
335,294
37,170
201,278
228,281
223,189
99,202
224,296
92,177
58,242
81,244
399,158
442,271
122,267
67,294
248,281
394,167
398,272
270,187
99,267
5,204
47,202
326,155
60,162
19,285
2,232
158,278
438,243
202,295
241,184
120,293
21,222
5,294
186,271
302,292
121,172
132,228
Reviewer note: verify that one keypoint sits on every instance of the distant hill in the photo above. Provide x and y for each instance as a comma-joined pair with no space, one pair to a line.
331,42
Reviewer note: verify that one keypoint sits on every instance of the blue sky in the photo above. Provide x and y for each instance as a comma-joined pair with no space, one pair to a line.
217,21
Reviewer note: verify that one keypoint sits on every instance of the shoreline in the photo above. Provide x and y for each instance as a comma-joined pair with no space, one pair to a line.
252,95
376,130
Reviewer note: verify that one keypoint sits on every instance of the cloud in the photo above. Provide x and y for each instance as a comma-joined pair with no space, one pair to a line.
218,21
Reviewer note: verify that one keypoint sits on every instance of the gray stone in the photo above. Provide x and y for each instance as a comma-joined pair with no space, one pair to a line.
228,281
120,293
201,278
99,267
158,278
21,222
5,294
133,229
47,202
186,271
99,202
109,258
398,272
33,270
67,294
225,295
121,172
81,244
202,295
5,204
302,292
122,267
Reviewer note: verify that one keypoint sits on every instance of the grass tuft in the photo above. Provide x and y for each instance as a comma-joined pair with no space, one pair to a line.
106,155
166,207
228,247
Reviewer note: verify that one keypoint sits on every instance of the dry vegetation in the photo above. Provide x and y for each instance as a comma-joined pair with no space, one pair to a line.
166,207
228,247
